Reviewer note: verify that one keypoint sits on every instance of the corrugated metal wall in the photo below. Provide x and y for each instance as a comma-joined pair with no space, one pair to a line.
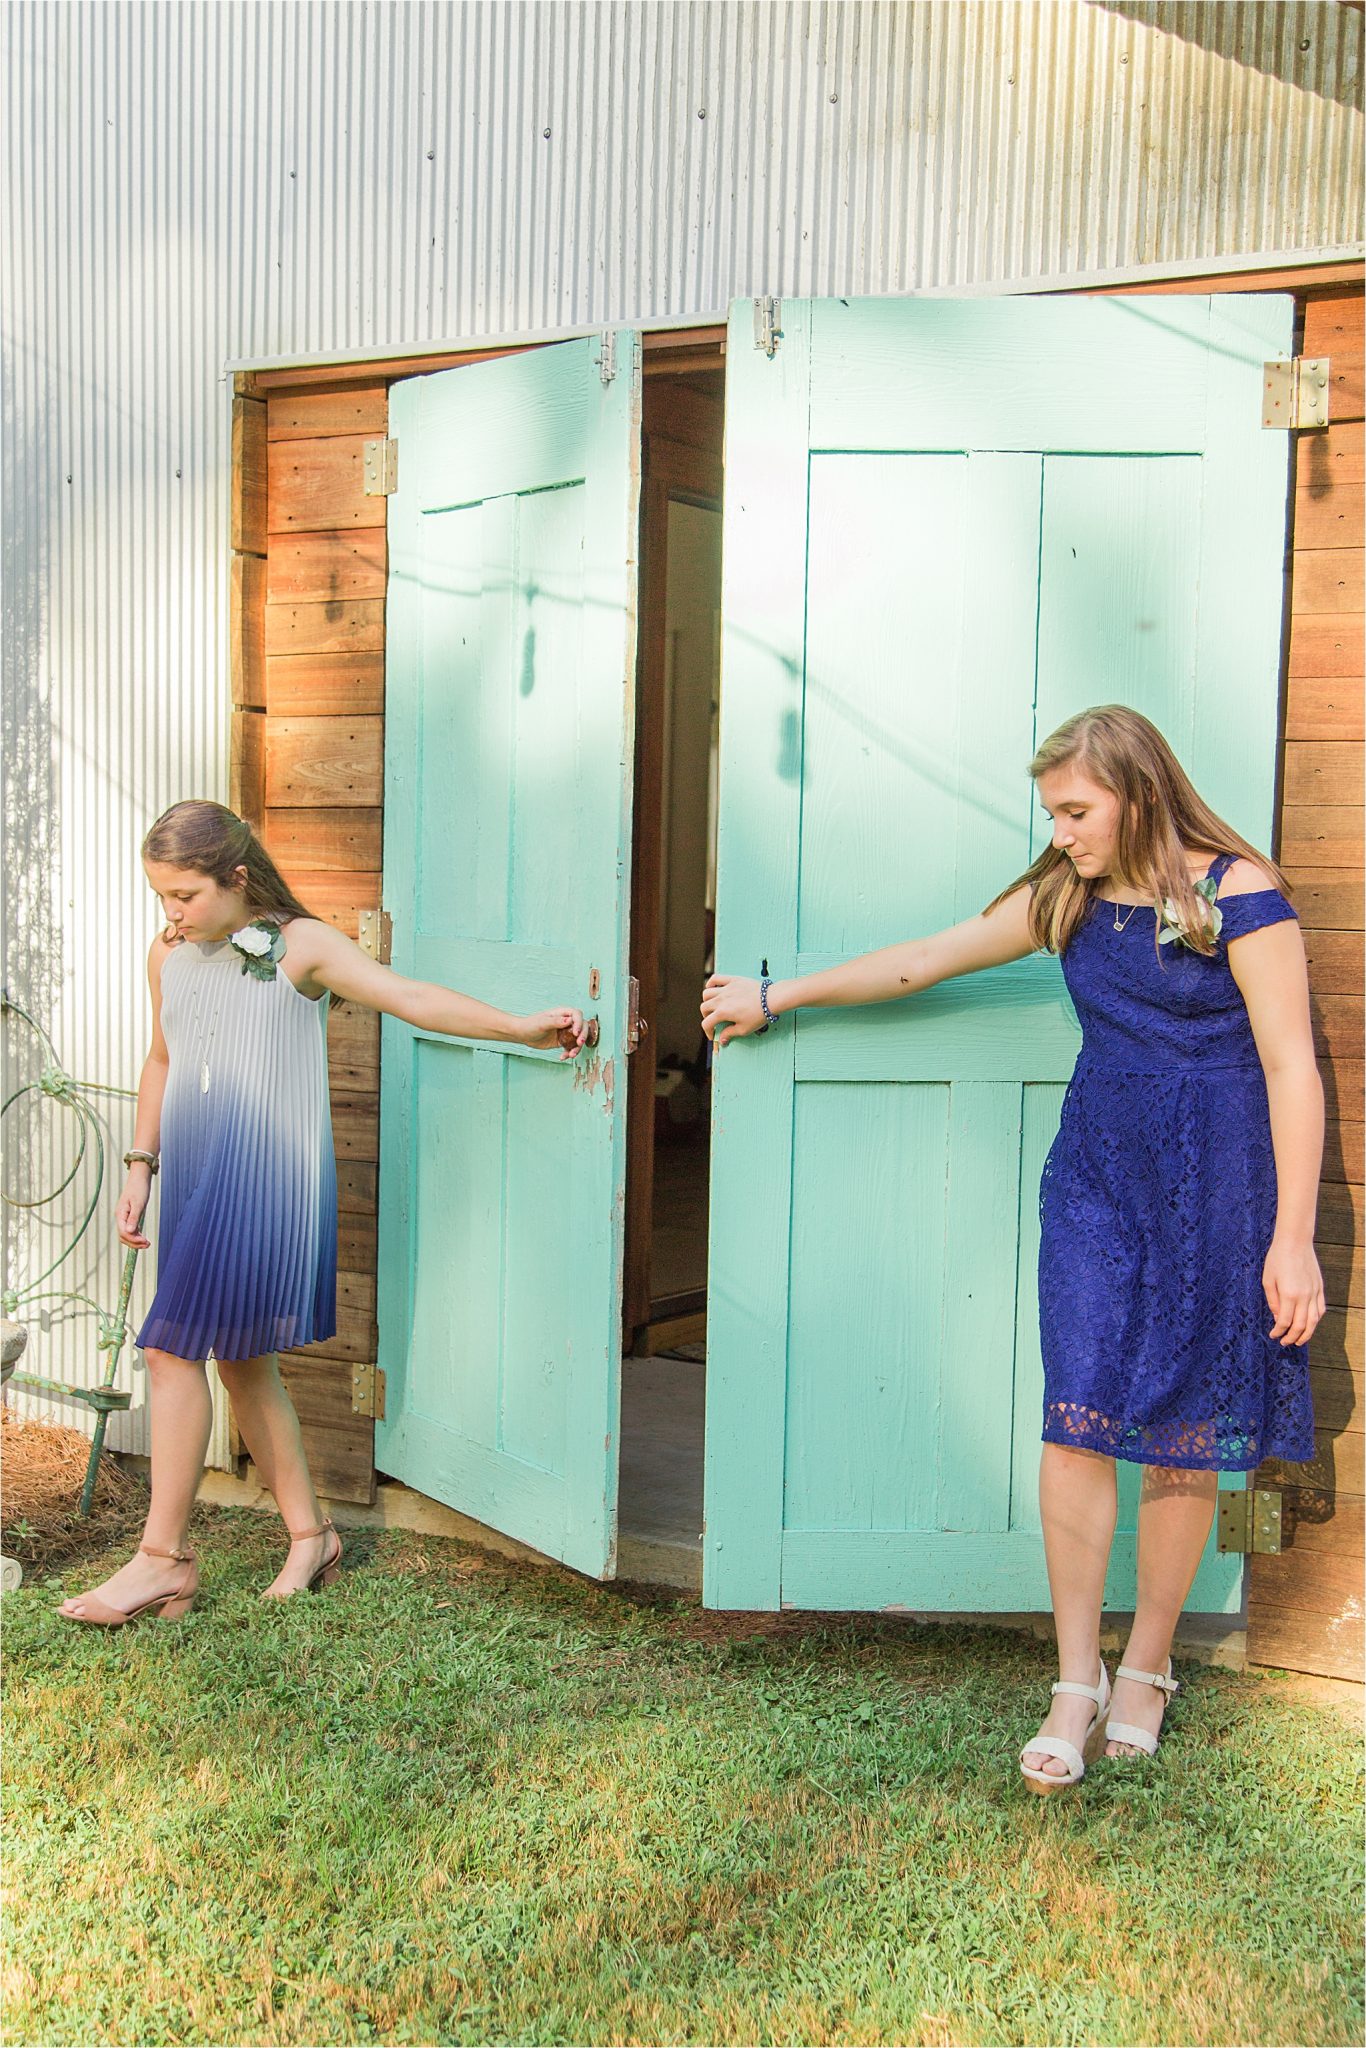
191,185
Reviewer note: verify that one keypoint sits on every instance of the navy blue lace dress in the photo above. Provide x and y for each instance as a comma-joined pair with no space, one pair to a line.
1158,1203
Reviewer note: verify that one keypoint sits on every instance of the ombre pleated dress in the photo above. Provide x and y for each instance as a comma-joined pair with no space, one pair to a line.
247,1237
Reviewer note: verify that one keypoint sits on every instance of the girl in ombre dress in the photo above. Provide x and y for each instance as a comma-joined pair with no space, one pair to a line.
233,1110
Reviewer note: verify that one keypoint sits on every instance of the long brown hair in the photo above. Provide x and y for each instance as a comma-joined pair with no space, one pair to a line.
1161,817
209,839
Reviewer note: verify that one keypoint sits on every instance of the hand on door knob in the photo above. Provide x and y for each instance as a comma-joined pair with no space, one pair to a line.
592,1031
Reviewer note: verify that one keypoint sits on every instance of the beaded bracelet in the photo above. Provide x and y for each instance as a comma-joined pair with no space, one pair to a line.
765,984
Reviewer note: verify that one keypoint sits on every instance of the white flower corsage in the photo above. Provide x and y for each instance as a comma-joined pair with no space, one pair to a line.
261,944
1172,932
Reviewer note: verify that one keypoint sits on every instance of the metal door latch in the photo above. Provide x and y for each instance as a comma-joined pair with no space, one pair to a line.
380,466
607,356
636,1027
1295,392
1250,1521
768,331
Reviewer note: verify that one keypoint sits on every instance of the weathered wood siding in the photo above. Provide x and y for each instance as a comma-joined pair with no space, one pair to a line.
1305,1605
308,697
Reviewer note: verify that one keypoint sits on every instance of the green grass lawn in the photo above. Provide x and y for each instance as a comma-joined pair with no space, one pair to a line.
456,1799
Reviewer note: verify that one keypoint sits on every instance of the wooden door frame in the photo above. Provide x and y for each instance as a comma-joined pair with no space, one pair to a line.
673,467
1301,1609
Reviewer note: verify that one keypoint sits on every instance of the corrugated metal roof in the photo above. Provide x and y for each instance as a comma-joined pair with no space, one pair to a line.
192,185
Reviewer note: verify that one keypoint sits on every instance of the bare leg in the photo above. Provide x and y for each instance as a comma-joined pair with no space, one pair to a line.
1077,1505
270,1429
1176,1509
182,1413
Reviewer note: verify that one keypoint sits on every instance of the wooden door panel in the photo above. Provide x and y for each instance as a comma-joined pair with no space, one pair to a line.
1119,589
921,611
507,823
994,367
949,526
868,1182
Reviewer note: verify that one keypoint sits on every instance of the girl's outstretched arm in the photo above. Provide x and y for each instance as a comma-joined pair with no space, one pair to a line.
332,961
1269,968
730,1002
147,1124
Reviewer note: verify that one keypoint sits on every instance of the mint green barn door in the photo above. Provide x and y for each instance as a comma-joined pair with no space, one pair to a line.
510,673
949,524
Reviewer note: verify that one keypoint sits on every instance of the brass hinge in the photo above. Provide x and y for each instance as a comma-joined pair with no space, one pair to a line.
768,330
381,469
1295,392
1250,1521
376,935
367,1391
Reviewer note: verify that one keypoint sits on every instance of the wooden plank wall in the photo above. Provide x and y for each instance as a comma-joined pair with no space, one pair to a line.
309,772
1305,1605
246,629
246,621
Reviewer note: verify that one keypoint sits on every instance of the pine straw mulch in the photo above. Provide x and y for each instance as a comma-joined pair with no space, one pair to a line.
42,1471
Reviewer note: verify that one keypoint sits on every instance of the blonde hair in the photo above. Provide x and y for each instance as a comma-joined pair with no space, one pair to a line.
209,839
1161,817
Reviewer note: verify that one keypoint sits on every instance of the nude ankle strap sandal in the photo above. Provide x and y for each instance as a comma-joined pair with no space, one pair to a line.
1141,1738
1058,1745
170,1606
327,1571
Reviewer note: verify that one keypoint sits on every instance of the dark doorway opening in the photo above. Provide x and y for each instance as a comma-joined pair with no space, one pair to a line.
672,924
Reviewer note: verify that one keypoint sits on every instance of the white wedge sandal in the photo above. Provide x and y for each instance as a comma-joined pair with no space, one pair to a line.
1123,1731
1067,1752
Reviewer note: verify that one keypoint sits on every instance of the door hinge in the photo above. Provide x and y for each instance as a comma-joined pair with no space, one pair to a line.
607,355
367,1391
1250,1521
768,331
381,469
636,1027
375,935
1295,392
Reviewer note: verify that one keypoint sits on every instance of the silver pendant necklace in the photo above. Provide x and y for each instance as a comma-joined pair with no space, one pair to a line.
1128,920
205,1046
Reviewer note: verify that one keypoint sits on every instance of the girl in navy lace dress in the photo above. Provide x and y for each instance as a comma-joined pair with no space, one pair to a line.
1177,1279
